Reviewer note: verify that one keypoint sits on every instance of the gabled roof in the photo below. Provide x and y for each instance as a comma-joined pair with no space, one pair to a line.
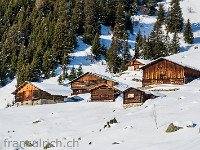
53,89
173,61
142,61
119,87
99,75
103,84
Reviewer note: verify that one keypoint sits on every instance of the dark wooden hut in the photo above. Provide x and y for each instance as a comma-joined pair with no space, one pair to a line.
135,96
164,71
32,93
104,93
86,81
136,64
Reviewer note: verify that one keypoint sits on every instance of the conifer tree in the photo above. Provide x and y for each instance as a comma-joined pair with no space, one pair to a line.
96,47
138,44
21,58
46,65
80,71
78,17
161,14
175,45
188,34
13,65
156,39
53,74
72,74
174,19
121,17
122,67
91,26
60,81
129,22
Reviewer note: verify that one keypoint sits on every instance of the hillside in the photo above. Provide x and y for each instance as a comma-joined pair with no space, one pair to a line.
136,128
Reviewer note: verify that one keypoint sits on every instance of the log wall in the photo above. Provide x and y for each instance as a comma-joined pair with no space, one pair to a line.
163,72
103,93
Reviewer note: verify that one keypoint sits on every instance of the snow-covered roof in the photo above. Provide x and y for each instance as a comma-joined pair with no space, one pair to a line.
99,75
143,61
175,60
121,86
53,89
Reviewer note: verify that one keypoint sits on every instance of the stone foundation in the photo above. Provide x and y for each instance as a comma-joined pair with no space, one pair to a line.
38,102
131,105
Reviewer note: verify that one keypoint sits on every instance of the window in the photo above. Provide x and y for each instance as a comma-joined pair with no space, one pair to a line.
130,95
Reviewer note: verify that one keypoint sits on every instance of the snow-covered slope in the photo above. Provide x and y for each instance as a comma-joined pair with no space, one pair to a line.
136,128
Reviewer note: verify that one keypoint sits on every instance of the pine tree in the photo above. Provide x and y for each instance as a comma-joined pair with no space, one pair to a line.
21,58
96,47
188,34
156,40
13,66
80,71
129,22
78,17
122,67
175,45
91,26
126,53
121,17
138,44
174,19
73,74
46,65
161,14
60,81
53,74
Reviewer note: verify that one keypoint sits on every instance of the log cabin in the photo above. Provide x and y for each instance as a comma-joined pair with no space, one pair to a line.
135,97
136,64
104,93
84,82
165,71
32,93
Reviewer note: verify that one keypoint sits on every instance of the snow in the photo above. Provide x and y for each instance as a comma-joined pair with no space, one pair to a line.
136,128
143,61
53,89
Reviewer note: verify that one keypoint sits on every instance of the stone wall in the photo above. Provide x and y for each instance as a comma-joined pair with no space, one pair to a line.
131,105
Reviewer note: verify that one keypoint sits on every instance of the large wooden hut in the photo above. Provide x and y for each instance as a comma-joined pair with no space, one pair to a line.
104,93
32,93
136,64
86,81
164,71
135,97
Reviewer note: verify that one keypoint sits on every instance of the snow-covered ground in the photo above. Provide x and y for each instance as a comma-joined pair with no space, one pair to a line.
136,128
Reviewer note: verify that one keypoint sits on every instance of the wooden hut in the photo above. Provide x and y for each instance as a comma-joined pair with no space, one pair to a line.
104,93
32,93
135,97
86,81
165,71
136,64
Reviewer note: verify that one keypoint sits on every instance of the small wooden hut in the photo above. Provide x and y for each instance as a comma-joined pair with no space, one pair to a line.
32,93
164,71
84,82
104,93
136,64
135,97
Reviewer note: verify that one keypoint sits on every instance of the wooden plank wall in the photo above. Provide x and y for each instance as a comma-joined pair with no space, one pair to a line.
139,96
191,74
163,72
103,93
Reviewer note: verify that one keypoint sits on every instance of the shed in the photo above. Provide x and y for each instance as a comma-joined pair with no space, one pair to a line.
166,71
33,93
84,82
135,97
104,93
136,64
